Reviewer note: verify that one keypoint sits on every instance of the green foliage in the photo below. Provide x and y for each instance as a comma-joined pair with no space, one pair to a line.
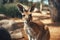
10,10
2,9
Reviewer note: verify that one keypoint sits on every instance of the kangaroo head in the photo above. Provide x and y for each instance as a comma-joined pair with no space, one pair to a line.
26,13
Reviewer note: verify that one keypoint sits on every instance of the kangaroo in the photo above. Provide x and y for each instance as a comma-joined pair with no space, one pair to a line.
33,30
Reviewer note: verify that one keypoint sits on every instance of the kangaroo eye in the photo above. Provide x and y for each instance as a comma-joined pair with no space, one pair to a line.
23,15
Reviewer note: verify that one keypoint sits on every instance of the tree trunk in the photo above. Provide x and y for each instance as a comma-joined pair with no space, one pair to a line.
41,5
55,10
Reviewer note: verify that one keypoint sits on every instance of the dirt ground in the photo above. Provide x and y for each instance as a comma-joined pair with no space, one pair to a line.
54,28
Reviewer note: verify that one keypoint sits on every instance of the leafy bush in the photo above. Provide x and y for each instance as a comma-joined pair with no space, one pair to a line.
10,10
2,9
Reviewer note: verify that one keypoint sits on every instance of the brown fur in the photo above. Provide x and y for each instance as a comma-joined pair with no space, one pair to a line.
37,26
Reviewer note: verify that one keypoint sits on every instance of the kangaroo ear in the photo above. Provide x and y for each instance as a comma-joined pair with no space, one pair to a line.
21,8
32,7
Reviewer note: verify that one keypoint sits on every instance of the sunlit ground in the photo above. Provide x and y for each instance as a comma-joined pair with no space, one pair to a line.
53,27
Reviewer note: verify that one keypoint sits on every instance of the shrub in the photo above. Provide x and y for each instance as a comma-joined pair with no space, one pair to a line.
10,10
2,9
